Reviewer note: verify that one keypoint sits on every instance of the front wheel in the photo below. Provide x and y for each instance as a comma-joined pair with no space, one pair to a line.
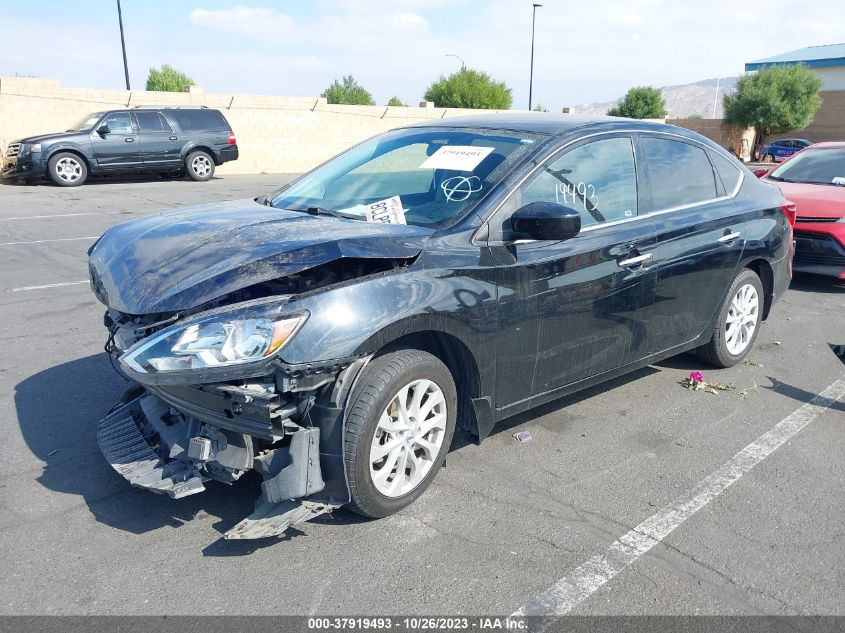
199,165
738,324
398,431
67,169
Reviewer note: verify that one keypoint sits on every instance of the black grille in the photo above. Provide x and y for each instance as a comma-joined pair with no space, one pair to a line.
814,220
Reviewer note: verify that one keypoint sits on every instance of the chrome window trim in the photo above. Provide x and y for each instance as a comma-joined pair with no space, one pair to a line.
650,214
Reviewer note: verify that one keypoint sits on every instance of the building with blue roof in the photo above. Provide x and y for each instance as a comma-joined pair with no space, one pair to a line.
828,61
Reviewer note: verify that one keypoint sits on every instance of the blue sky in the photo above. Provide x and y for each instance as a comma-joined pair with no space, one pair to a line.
585,51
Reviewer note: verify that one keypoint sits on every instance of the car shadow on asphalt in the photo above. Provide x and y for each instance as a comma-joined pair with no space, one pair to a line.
58,410
817,283
104,180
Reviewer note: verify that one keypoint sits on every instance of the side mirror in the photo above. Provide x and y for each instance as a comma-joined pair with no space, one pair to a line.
103,130
760,172
546,221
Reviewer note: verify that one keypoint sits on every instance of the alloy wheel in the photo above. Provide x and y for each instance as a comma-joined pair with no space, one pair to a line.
201,166
68,169
408,438
741,321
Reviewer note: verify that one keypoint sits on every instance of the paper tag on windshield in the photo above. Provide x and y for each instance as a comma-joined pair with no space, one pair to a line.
457,157
387,211
839,180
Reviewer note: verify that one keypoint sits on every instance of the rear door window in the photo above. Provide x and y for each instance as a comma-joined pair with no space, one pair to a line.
679,173
152,122
200,120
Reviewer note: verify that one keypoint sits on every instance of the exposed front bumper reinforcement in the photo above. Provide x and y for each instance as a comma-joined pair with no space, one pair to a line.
272,519
126,449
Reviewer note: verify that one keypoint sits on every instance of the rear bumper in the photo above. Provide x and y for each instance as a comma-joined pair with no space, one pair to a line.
228,153
819,253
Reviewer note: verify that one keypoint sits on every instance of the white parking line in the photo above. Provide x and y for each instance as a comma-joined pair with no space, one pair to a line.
60,239
584,580
58,285
64,215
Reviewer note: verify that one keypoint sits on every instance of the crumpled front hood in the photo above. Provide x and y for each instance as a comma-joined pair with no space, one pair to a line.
181,259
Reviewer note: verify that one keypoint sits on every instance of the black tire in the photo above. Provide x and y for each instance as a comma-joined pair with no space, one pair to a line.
376,388
716,350
200,166
67,169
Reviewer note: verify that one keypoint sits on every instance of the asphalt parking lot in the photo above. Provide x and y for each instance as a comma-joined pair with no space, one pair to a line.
503,523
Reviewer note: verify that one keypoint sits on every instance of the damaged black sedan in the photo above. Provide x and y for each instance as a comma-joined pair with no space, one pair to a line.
333,334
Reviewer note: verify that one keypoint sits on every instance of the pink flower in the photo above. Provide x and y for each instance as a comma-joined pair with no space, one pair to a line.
696,376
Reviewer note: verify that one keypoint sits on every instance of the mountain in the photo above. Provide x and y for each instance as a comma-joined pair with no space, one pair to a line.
681,101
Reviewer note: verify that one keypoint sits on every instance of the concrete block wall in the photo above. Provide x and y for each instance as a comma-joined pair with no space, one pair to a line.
275,134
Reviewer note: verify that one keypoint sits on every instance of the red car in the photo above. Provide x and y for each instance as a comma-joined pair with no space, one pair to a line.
814,179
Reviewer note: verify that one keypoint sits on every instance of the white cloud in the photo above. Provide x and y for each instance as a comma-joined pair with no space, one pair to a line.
243,19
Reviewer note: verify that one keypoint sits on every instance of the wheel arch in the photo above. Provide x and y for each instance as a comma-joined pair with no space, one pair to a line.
201,148
764,271
459,360
68,150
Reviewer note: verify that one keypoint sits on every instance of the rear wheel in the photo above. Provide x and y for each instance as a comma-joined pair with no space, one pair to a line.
398,431
199,165
768,158
67,169
738,324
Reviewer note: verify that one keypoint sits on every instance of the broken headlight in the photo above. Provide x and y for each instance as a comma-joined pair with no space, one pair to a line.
213,341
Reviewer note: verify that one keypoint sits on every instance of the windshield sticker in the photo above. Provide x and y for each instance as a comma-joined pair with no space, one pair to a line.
387,211
459,188
457,157
839,180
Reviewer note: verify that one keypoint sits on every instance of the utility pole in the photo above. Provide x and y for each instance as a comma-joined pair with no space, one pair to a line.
123,45
716,98
531,79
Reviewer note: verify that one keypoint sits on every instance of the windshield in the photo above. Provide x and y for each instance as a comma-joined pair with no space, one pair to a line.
426,177
87,122
816,166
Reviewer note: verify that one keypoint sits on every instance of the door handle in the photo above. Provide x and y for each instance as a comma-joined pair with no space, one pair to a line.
634,261
129,140
729,239
174,138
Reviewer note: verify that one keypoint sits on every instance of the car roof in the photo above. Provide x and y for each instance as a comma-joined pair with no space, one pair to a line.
543,123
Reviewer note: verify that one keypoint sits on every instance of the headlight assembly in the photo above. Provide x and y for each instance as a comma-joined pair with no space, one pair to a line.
211,342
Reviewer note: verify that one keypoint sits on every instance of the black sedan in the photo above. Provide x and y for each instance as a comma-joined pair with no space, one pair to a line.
333,334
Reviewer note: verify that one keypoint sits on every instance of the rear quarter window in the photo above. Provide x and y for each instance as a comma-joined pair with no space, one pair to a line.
728,172
200,120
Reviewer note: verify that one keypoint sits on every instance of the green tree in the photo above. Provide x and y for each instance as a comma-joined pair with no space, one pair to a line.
775,99
469,88
396,101
641,102
540,108
349,92
168,79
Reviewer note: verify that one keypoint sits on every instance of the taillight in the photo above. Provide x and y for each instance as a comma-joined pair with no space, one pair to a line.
232,139
790,211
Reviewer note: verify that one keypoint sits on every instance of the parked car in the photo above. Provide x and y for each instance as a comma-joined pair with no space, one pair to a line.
780,150
168,140
334,333
814,180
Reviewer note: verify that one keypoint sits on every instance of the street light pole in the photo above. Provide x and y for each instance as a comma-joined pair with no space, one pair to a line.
123,45
531,80
463,65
